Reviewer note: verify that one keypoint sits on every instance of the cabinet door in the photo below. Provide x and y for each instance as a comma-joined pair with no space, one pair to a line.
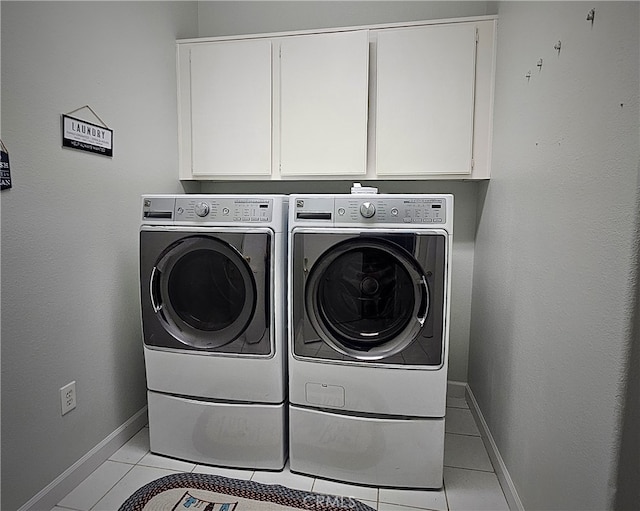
323,104
425,100
231,108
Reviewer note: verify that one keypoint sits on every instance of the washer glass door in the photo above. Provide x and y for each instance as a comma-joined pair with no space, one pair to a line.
368,297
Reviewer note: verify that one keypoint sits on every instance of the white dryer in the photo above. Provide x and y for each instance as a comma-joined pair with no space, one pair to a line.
369,287
212,274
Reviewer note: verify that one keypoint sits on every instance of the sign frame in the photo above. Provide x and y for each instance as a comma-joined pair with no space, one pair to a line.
86,136
5,169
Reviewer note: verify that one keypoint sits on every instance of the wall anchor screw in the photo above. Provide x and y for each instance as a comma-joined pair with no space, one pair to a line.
557,46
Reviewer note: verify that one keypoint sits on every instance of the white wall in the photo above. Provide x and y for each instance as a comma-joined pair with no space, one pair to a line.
70,306
255,17
555,261
229,18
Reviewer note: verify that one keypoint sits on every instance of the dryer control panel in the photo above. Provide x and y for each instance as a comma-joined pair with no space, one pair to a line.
370,209
224,210
208,209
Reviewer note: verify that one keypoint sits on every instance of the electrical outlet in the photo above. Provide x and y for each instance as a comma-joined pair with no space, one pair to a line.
68,397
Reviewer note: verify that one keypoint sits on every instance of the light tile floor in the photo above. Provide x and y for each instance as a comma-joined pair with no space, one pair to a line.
469,479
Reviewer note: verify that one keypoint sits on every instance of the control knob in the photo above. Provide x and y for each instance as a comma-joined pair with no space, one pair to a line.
367,209
202,209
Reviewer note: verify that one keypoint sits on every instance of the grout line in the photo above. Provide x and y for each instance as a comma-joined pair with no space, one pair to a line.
471,469
114,484
107,491
492,471
177,471
464,434
121,462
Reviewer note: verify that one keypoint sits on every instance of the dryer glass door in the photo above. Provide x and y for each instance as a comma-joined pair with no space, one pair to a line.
207,294
202,279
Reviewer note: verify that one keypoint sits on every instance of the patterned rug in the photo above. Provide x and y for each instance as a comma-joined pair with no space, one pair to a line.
203,492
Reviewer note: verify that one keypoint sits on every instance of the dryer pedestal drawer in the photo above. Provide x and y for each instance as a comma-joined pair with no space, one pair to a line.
251,436
403,453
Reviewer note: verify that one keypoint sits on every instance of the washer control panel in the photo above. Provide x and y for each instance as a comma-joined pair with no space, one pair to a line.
209,209
371,209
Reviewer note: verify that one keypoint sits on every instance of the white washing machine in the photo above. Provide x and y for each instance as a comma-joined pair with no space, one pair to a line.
213,273
369,287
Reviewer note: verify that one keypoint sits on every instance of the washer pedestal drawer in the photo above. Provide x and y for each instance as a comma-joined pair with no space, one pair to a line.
380,451
251,436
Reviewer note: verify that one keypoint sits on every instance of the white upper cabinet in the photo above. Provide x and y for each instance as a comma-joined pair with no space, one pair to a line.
323,104
425,100
229,130
396,101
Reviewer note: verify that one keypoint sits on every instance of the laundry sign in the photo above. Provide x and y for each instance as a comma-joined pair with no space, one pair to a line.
86,136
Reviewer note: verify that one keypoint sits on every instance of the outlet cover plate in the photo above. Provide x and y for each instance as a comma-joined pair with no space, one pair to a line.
68,397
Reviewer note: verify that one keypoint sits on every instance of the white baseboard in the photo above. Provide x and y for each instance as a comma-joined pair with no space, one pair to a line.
49,496
509,489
